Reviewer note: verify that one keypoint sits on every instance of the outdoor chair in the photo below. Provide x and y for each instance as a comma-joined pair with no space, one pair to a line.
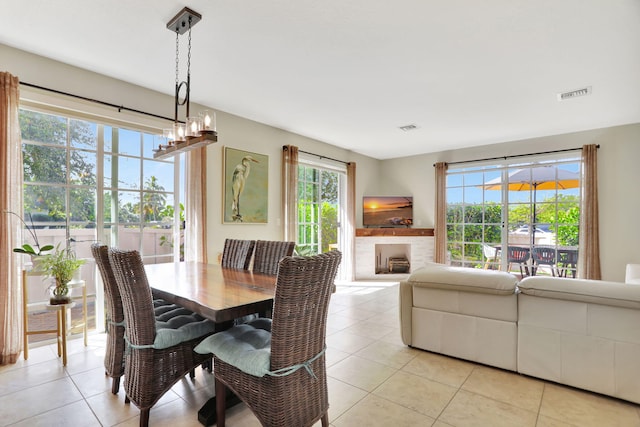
281,374
268,253
566,262
237,253
543,255
519,255
492,256
114,353
157,353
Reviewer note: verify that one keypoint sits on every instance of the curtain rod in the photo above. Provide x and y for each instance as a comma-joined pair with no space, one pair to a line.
108,104
323,157
515,156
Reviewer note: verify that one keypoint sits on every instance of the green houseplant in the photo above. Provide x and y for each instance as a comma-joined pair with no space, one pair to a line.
27,249
61,266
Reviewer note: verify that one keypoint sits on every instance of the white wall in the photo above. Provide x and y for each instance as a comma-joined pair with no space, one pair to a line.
618,178
233,131
619,157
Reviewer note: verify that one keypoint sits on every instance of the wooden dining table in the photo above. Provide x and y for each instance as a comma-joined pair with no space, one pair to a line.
216,293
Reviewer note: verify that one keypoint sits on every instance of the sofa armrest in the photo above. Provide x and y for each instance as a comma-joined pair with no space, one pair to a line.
405,305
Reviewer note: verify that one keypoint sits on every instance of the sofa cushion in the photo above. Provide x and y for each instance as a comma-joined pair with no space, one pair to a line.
590,291
439,276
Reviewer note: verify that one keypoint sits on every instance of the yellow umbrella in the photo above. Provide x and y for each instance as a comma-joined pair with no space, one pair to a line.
537,178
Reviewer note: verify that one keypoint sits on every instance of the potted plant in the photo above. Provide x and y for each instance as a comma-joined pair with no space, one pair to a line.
33,251
61,266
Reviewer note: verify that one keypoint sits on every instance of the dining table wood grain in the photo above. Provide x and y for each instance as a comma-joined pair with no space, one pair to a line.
217,293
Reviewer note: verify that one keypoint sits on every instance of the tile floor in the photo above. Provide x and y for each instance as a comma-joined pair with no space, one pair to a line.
374,380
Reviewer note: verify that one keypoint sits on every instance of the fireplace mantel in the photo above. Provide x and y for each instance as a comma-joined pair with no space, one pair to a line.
393,231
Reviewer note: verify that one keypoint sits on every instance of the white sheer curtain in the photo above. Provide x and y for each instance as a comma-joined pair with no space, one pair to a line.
11,229
195,244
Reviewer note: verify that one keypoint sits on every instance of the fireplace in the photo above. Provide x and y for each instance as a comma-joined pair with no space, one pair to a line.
405,249
392,258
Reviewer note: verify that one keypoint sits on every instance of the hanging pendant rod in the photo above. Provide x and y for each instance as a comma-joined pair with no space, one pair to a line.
120,108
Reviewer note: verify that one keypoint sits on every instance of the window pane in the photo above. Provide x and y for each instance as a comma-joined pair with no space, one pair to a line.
46,203
82,205
108,138
129,142
83,134
154,208
44,164
126,175
158,176
83,167
40,127
128,207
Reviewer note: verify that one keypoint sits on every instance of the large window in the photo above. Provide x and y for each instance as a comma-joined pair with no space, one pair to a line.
86,181
497,213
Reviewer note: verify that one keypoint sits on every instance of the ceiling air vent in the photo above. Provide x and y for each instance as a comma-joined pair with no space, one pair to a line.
407,128
574,93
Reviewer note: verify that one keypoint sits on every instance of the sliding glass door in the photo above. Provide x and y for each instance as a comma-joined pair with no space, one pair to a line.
522,218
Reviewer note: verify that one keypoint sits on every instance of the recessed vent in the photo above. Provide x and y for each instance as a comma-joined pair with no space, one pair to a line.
407,128
574,93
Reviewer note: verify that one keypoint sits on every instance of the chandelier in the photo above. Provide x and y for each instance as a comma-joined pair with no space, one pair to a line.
195,131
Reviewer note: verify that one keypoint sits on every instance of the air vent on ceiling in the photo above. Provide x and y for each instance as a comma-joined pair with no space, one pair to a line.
407,128
574,93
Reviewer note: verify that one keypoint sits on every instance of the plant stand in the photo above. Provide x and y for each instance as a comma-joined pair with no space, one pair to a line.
61,310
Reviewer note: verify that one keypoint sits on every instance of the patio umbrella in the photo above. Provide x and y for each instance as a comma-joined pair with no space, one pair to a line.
537,178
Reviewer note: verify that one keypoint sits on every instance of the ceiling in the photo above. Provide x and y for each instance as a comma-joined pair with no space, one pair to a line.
350,73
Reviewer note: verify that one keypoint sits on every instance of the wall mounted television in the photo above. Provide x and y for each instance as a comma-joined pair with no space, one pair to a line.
387,211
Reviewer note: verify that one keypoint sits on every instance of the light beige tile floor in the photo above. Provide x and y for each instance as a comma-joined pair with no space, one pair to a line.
374,380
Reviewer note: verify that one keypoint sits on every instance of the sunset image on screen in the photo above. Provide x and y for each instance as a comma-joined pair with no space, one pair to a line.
387,211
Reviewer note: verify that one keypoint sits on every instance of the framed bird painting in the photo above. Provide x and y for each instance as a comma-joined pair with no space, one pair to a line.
245,187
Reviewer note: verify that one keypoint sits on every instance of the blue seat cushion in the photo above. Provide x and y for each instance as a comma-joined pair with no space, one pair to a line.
166,312
181,327
246,346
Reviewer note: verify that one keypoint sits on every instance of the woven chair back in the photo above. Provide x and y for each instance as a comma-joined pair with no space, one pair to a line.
237,253
301,302
114,353
137,301
268,253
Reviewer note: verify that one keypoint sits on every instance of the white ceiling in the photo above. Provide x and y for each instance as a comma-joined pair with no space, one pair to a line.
350,72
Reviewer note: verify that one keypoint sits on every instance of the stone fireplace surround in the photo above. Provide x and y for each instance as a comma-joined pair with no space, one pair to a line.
375,245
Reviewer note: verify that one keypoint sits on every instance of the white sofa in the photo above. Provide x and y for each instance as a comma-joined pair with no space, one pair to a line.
632,274
461,312
583,333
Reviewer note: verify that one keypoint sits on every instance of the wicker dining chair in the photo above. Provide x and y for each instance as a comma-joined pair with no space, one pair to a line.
114,353
155,358
268,253
237,253
281,375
